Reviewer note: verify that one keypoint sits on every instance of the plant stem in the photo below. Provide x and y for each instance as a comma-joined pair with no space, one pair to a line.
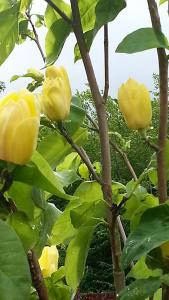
80,151
36,39
162,134
37,278
115,147
106,62
119,277
163,76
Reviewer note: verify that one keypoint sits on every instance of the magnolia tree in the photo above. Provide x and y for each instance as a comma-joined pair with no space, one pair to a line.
39,165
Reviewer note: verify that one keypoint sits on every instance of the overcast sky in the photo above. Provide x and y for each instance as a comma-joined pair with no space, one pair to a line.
140,66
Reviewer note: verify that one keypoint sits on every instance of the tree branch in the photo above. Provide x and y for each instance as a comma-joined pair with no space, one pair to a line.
36,39
119,276
115,147
162,134
106,62
80,151
59,11
37,278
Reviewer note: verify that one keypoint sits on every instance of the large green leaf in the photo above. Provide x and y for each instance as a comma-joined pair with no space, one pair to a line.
6,4
54,147
14,270
142,39
21,194
76,255
141,271
152,231
63,229
140,289
95,14
46,222
24,4
38,173
162,1
55,39
89,191
8,31
51,16
58,30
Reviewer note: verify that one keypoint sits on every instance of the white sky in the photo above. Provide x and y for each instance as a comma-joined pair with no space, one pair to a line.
122,66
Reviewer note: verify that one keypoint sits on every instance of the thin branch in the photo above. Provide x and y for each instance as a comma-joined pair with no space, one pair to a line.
37,278
150,144
119,276
106,62
120,151
80,151
162,135
36,39
59,11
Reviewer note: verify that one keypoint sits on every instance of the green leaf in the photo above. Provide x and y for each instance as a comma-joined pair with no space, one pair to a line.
6,4
162,1
140,289
67,177
8,31
89,212
14,270
54,147
89,191
84,171
46,223
142,39
76,255
58,30
70,162
58,275
142,271
95,14
24,4
55,39
51,16
24,229
145,238
76,116
21,194
63,229
39,174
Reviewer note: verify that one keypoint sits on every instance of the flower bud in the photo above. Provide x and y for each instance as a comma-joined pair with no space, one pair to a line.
19,125
56,94
49,260
135,104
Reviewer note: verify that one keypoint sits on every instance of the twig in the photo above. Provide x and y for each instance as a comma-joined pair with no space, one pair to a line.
59,11
149,143
80,151
162,135
37,278
119,276
36,39
122,153
106,62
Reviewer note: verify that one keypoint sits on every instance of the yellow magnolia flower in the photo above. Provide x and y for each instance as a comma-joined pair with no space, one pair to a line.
19,125
56,94
49,260
135,104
